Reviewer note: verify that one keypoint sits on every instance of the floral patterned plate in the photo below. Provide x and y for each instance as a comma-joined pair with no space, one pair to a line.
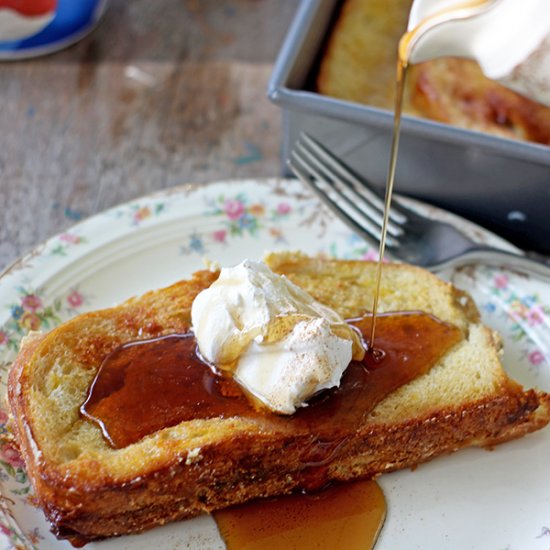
473,499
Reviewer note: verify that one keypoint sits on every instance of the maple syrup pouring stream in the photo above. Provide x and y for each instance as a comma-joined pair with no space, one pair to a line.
402,63
462,11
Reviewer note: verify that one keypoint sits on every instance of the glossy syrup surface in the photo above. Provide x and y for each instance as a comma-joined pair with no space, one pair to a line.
145,386
346,516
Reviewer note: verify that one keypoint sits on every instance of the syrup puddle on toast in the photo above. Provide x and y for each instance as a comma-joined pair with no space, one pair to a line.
147,385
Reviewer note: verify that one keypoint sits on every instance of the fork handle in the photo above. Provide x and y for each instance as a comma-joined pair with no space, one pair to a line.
500,258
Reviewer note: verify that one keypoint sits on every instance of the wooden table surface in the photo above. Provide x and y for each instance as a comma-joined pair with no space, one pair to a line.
161,93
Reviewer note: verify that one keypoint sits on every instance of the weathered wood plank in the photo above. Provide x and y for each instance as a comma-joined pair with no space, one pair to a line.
161,93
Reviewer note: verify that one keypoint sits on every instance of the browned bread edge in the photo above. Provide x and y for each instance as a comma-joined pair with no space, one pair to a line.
253,465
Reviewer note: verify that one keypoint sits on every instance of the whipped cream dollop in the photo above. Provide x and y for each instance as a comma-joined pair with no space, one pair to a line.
279,343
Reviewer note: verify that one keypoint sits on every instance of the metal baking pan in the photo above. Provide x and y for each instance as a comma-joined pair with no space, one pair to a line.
502,184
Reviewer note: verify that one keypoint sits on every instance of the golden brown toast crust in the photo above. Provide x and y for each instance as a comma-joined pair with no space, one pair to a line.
102,492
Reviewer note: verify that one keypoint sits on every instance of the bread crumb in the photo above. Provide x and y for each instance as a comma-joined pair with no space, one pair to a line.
194,455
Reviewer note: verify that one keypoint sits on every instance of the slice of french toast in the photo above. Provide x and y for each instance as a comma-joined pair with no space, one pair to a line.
90,490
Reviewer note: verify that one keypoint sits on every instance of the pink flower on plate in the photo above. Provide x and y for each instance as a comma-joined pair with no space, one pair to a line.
75,299
31,302
11,455
5,529
30,321
69,238
501,281
536,357
3,337
535,316
3,417
220,235
234,209
283,208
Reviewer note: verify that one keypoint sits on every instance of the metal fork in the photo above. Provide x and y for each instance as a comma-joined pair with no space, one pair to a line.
411,237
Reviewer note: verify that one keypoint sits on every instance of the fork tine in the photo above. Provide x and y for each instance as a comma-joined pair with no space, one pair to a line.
348,193
331,198
396,214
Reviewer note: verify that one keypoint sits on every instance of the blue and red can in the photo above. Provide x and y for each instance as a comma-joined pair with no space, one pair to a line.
30,28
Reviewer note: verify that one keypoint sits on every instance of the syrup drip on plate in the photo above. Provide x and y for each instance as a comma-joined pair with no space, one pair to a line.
346,516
